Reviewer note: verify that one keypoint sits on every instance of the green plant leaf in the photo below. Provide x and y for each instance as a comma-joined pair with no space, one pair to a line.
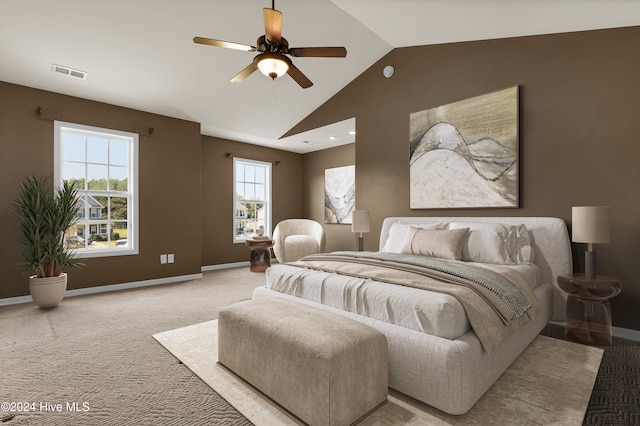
45,216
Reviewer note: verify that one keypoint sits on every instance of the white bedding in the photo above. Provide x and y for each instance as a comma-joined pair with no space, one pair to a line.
426,311
450,373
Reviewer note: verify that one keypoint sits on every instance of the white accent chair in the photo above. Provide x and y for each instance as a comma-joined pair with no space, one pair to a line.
296,238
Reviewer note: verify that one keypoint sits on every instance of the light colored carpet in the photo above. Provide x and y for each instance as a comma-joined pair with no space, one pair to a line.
98,349
550,383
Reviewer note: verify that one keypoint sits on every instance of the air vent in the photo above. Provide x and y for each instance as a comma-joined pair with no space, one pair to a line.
60,69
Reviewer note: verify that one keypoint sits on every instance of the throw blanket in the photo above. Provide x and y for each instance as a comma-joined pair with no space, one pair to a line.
497,300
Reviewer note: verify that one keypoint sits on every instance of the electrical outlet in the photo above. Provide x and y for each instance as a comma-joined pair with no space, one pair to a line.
170,258
163,259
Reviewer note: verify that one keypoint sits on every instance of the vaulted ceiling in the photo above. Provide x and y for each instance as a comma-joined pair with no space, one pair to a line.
140,54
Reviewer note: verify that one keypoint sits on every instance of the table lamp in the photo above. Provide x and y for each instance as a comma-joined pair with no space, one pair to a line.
590,225
360,224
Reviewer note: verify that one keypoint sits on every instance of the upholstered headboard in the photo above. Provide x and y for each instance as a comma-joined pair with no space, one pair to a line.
549,239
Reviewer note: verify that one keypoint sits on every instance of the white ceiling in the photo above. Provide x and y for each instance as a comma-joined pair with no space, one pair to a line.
140,54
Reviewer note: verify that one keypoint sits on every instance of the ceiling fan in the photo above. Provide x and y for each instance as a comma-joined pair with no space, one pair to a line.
272,60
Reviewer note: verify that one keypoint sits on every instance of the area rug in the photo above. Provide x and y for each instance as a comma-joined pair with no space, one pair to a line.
550,383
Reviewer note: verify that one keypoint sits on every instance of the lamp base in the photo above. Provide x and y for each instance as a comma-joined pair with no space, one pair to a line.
590,264
360,244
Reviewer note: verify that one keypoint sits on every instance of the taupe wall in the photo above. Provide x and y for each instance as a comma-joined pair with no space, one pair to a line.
579,145
339,237
217,194
169,182
186,185
579,133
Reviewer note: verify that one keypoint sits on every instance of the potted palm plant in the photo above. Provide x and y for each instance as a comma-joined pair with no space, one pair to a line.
45,218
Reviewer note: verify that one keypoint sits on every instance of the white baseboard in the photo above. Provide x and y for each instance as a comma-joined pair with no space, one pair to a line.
625,333
15,300
106,288
230,265
114,287
224,266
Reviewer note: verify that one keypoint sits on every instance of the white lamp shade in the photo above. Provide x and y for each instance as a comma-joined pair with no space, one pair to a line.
590,224
360,221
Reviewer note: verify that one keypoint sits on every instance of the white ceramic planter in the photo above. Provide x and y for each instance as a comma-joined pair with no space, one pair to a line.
48,292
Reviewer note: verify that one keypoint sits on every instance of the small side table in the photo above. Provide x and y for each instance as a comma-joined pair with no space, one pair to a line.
588,313
260,254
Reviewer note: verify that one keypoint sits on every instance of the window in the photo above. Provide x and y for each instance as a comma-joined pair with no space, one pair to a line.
104,166
252,199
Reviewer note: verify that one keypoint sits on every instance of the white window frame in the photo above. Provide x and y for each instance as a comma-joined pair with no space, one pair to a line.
132,198
267,201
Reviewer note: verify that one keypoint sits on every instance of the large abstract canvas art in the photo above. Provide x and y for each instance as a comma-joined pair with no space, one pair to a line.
465,154
339,194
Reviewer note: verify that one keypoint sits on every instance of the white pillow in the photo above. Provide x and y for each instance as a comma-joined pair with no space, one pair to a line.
398,234
488,242
441,243
524,250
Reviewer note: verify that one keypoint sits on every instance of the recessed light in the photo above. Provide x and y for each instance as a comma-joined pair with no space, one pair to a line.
332,138
353,132
309,142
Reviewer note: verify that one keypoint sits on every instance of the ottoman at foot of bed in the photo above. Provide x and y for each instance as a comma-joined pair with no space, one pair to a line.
324,368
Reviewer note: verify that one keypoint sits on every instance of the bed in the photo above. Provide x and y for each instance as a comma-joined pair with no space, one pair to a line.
435,354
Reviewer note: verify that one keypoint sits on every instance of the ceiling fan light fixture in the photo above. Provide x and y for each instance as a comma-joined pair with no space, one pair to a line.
272,64
272,59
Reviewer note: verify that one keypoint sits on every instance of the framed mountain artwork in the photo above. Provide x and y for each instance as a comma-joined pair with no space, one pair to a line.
465,154
339,194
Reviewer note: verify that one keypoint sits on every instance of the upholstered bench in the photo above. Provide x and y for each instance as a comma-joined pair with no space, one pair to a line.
324,368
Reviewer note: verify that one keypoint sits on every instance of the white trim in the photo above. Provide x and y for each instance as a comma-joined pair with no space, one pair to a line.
132,197
107,288
135,284
268,191
224,266
625,333
15,300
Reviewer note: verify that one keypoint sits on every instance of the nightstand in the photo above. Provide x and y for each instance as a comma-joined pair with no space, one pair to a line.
588,313
260,254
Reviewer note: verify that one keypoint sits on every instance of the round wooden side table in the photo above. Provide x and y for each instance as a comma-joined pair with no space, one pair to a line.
588,312
260,254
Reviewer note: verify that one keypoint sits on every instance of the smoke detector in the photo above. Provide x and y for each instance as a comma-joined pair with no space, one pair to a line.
70,72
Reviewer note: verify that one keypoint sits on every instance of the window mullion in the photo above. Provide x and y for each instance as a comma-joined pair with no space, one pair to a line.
252,189
119,165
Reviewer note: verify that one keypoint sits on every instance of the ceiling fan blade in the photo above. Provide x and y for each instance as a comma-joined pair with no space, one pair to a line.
246,72
300,78
225,44
318,52
272,25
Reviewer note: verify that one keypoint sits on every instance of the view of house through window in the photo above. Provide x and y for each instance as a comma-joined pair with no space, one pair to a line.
252,199
103,165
